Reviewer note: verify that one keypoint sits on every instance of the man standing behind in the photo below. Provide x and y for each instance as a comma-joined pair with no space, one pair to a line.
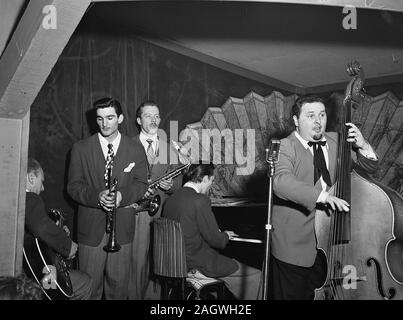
157,150
39,225
87,186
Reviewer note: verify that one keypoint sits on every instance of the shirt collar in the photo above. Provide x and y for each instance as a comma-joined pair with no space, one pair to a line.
104,143
191,185
305,142
144,138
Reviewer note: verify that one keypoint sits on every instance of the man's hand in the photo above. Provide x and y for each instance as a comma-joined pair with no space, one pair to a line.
67,230
73,250
166,184
355,136
107,200
231,234
334,202
149,193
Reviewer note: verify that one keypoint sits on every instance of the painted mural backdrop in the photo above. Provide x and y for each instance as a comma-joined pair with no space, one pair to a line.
379,118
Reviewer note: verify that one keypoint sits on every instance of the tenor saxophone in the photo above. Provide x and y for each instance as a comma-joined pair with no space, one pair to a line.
152,203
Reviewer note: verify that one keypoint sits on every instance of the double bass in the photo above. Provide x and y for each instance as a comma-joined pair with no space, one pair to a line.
363,247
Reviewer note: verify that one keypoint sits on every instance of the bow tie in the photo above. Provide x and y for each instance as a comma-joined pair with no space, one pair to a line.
319,162
311,143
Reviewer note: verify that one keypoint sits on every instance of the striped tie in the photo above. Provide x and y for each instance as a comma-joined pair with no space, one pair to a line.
150,152
108,165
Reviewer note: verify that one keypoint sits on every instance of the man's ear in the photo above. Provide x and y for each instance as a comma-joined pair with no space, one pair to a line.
30,178
121,118
295,120
138,121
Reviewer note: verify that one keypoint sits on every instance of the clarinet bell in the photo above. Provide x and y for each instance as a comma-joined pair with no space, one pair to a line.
112,245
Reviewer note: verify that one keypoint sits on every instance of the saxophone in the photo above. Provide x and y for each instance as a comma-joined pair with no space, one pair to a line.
152,203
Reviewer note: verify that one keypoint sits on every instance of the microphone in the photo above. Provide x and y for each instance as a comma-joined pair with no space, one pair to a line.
272,154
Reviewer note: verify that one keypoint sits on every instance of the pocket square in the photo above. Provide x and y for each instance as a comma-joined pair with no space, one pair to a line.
129,167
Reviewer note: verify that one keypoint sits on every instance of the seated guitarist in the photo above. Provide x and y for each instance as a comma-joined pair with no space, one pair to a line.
39,225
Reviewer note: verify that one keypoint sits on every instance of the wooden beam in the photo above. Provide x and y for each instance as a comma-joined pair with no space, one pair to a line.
392,5
13,167
9,12
24,66
33,51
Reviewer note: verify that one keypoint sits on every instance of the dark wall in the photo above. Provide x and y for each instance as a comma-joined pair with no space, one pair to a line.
111,62
102,60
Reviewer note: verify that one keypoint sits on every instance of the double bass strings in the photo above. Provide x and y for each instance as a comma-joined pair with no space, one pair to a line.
338,217
343,189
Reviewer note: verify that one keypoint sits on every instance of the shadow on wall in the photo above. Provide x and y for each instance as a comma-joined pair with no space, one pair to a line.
91,116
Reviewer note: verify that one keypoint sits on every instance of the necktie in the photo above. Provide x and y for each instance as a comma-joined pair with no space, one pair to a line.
319,162
108,165
150,152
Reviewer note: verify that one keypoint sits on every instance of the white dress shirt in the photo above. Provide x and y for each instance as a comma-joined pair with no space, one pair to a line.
370,154
104,144
191,184
143,139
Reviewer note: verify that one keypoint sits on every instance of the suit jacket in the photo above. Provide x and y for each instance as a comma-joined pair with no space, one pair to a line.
200,231
293,219
39,225
161,166
86,181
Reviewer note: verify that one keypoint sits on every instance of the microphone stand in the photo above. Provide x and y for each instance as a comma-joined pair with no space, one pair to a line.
265,272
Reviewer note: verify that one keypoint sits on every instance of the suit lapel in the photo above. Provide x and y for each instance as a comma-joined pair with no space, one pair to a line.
303,152
98,159
307,157
149,167
121,158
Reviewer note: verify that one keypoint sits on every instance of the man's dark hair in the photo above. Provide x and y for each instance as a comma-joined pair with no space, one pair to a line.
296,108
108,102
33,166
19,288
197,171
147,103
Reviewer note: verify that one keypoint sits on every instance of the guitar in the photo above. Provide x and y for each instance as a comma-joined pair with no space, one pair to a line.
49,268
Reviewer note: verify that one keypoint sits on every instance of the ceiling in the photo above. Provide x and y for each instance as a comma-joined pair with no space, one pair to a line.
292,45
289,44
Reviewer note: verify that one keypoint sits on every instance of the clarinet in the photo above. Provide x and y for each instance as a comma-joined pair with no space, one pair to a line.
111,187
112,245
111,212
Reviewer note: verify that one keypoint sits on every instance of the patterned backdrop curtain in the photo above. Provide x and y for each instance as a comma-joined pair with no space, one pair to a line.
95,65
90,68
